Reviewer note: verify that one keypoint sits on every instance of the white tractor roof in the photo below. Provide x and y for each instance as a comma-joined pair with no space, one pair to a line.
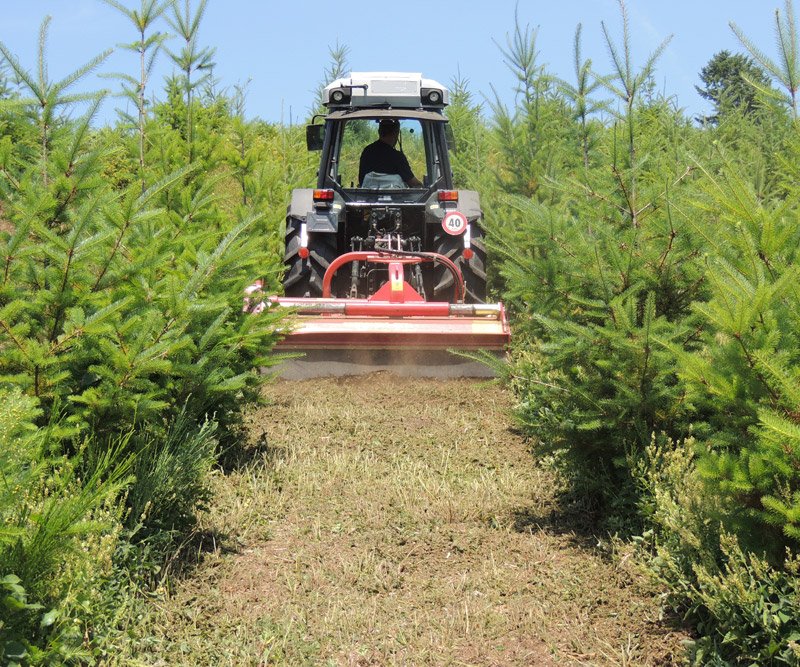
395,89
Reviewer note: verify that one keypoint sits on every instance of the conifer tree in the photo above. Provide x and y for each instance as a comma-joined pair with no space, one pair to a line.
242,157
598,272
336,68
786,70
744,380
190,59
580,95
147,48
731,82
469,152
48,97
627,84
528,136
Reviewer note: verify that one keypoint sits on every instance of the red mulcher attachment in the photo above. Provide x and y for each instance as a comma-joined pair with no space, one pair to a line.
394,329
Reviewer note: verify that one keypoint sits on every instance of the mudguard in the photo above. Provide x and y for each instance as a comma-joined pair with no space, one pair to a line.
302,208
468,203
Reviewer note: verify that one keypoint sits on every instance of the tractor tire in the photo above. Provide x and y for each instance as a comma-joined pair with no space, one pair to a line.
473,270
303,277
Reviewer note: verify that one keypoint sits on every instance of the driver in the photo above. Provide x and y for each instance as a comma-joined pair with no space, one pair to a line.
382,157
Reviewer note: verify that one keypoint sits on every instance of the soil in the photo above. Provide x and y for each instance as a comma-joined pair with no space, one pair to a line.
388,521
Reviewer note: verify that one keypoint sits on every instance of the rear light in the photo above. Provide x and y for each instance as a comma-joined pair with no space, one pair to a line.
448,195
303,252
468,253
323,196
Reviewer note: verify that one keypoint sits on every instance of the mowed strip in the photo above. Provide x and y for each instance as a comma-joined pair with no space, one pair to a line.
386,521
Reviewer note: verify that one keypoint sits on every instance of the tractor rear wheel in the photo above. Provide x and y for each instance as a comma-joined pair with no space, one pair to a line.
303,277
473,270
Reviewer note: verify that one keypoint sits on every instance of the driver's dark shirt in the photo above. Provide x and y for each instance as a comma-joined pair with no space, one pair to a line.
381,157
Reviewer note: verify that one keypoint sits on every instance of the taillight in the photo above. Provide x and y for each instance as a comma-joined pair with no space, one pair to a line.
448,195
323,196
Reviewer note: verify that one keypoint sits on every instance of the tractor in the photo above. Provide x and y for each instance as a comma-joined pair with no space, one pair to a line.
382,260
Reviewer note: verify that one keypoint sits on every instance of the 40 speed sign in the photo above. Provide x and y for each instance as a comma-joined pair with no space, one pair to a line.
454,223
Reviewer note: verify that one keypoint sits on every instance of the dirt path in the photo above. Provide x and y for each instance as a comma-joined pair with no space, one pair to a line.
400,522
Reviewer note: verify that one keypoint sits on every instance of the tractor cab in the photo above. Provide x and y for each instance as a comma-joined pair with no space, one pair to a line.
422,140
358,105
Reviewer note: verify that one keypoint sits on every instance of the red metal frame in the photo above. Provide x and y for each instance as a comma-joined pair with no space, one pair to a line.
391,258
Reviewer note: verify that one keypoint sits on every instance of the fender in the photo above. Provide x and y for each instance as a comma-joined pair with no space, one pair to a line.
325,221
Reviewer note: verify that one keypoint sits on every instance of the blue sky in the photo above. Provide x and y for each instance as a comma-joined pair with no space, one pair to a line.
282,47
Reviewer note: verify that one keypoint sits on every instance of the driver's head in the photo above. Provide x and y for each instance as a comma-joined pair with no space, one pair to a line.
388,129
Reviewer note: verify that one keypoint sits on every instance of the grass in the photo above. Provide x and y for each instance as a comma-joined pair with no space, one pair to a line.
381,521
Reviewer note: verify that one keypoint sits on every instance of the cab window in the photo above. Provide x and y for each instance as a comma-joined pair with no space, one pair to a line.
359,133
